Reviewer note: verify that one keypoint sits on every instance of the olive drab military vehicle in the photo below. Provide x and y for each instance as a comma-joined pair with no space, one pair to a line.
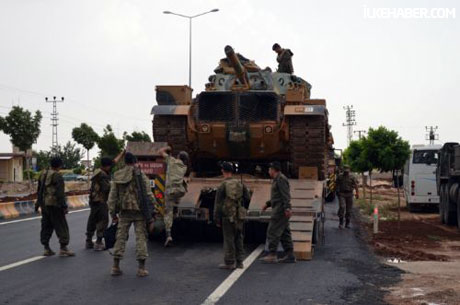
250,116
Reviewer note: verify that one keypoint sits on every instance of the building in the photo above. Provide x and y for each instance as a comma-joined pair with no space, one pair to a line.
12,167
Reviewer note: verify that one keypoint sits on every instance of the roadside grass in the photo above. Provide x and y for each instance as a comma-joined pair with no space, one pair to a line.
386,210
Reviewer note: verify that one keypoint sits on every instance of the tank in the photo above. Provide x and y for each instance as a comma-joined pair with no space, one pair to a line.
247,115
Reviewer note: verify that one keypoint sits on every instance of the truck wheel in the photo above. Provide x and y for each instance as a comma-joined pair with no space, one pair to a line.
441,204
412,208
458,211
330,197
450,209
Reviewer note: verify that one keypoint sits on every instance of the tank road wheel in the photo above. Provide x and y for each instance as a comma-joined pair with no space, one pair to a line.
171,129
442,204
450,209
307,144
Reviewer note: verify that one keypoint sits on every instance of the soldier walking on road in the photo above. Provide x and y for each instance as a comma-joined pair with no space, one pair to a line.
126,208
229,214
345,186
278,228
284,59
52,202
99,216
176,187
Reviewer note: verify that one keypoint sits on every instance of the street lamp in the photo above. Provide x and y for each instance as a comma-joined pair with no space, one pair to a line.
190,38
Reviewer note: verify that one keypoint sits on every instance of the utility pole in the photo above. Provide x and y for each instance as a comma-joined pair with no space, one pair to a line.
431,134
349,121
54,120
360,133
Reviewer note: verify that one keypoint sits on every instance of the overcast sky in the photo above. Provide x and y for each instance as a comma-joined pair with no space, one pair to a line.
105,57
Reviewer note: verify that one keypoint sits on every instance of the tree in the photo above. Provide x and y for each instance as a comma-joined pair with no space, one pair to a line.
69,153
109,144
23,129
43,159
355,157
85,136
387,151
136,136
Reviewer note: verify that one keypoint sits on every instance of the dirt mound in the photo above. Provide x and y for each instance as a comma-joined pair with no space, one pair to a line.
414,240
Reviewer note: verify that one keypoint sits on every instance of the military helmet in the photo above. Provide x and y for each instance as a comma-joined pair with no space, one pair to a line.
183,156
227,167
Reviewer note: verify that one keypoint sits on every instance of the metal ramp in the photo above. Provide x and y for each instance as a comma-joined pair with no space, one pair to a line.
307,203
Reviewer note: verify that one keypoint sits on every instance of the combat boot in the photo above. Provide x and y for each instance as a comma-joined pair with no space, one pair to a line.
99,246
289,258
141,271
239,265
227,266
116,271
65,252
89,244
270,258
168,242
341,223
48,251
347,225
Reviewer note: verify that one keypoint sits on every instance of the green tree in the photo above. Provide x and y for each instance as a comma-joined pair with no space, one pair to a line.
23,129
69,153
109,144
85,136
136,136
355,156
43,159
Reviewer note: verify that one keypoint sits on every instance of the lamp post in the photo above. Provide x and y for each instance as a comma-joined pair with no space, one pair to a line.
190,38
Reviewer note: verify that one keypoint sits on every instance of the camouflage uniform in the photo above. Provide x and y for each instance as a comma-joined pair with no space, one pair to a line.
124,202
98,218
278,228
53,208
284,60
175,189
345,186
230,213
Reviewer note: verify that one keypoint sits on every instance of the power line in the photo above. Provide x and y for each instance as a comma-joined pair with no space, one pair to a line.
349,121
54,120
431,134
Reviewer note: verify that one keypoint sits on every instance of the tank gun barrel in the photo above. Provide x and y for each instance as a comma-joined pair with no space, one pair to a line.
240,70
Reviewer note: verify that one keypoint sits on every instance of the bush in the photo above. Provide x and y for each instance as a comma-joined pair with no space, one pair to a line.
33,175
77,171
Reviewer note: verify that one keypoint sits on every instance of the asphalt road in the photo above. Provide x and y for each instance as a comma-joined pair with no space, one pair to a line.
343,271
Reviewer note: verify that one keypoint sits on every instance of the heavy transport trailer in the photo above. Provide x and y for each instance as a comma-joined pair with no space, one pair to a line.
448,183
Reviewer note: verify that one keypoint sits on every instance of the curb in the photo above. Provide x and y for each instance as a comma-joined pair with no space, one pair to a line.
15,209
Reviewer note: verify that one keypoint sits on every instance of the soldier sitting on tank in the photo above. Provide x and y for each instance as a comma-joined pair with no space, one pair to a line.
176,187
284,59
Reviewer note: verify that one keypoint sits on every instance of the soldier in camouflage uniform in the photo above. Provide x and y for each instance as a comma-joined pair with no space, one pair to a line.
278,228
229,213
124,208
53,207
175,187
284,59
345,186
98,218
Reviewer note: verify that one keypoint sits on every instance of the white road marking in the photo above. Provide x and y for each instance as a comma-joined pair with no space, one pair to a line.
17,264
232,278
37,217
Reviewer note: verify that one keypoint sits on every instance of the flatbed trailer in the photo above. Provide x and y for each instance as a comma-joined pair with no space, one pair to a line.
307,200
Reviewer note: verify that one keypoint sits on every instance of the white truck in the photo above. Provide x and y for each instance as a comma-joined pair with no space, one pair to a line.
420,177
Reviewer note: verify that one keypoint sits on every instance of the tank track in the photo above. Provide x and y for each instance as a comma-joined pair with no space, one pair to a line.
171,129
307,144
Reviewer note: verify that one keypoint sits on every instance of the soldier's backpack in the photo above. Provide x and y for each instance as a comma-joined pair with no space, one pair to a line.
234,200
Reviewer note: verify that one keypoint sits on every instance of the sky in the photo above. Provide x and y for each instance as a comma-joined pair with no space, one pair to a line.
105,57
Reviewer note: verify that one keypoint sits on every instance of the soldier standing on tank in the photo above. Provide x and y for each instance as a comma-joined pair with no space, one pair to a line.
175,187
53,205
284,59
345,186
98,218
278,228
229,214
124,206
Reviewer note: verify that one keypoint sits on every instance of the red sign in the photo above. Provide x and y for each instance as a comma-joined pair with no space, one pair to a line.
151,167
